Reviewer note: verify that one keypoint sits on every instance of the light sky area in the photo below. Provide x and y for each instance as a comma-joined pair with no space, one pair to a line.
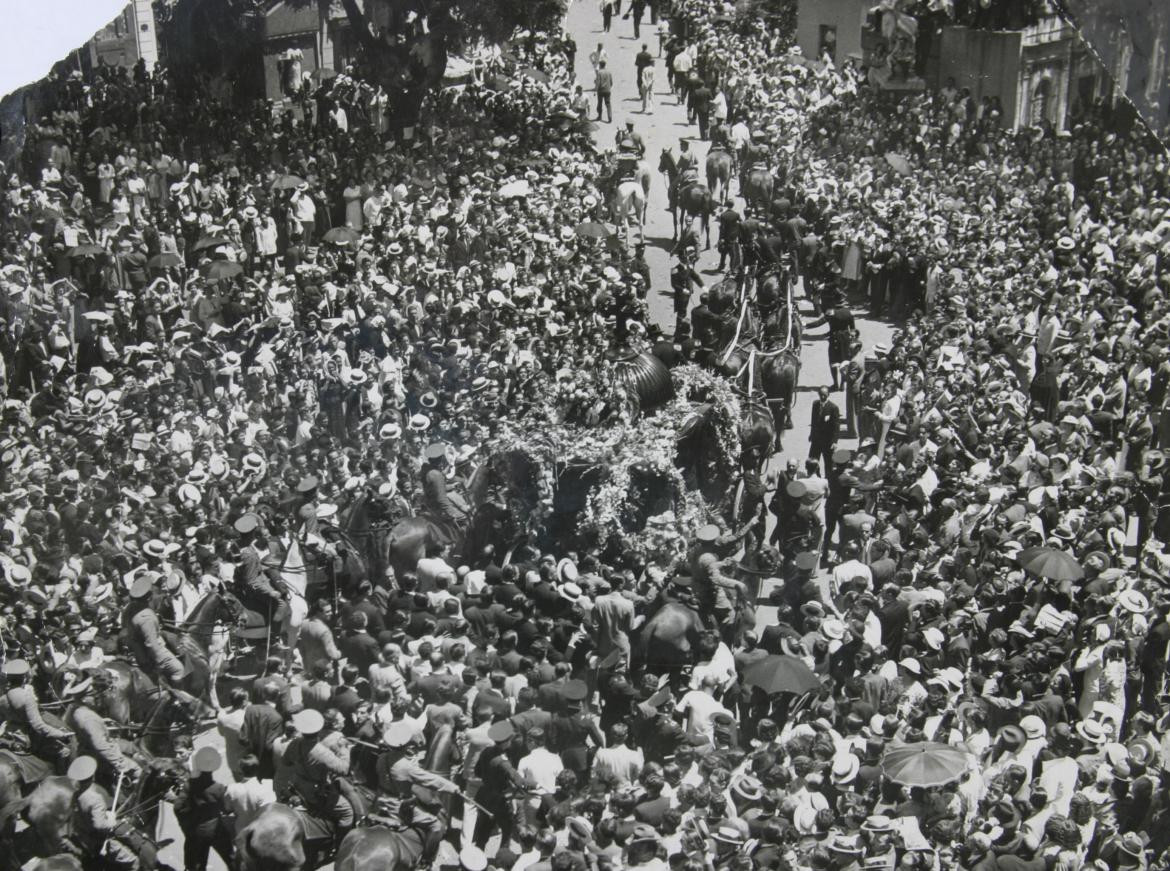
38,33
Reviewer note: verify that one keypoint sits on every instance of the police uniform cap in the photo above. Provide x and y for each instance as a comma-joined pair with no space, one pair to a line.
575,691
795,489
247,523
307,484
206,760
17,667
436,451
308,721
82,768
142,587
708,533
501,731
842,455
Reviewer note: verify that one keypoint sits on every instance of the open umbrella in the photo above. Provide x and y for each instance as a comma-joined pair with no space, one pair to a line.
208,242
1051,563
900,164
781,674
218,269
343,236
287,183
591,230
535,74
86,250
164,261
924,763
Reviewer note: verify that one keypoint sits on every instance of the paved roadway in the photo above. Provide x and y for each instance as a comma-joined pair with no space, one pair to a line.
660,127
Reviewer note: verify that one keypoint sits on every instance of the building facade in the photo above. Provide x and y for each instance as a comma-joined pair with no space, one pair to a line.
131,36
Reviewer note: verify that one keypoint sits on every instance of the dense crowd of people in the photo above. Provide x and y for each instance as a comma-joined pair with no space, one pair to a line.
228,332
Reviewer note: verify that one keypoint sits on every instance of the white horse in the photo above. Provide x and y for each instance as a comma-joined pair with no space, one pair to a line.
629,196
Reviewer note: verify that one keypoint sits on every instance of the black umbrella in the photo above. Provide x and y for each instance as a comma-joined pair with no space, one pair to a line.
86,250
287,182
781,674
164,261
218,269
343,236
208,242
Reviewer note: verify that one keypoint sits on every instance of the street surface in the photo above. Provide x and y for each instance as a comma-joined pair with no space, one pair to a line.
662,126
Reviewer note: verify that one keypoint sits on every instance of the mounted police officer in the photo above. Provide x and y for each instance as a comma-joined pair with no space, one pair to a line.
22,712
314,769
143,631
257,575
446,509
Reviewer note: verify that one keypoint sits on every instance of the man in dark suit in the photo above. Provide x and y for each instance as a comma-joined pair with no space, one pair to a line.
262,725
826,423
358,645
894,615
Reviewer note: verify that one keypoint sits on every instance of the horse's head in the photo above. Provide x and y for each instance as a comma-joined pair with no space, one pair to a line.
666,160
228,609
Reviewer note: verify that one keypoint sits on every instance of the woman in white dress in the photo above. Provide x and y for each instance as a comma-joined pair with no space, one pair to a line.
105,175
353,196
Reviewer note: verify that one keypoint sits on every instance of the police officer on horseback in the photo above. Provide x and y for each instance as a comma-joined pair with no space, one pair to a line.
315,769
256,577
143,630
20,709
630,140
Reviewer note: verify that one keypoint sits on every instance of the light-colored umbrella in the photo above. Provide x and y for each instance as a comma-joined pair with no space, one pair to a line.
924,763
518,188
900,164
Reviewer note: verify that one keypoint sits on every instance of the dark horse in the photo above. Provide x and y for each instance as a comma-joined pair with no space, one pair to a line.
775,372
692,201
381,848
488,524
781,324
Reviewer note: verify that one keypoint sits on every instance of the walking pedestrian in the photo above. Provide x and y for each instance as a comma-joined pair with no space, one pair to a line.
607,7
604,86
646,88
637,10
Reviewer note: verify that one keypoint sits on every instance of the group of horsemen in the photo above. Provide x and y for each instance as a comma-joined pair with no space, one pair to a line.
746,243
83,743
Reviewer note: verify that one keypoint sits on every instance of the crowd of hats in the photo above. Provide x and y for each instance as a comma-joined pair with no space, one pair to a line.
166,402
1028,390
191,407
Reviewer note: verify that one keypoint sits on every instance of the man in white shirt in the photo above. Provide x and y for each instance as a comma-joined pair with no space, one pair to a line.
700,706
541,765
616,763
851,569
304,211
250,795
